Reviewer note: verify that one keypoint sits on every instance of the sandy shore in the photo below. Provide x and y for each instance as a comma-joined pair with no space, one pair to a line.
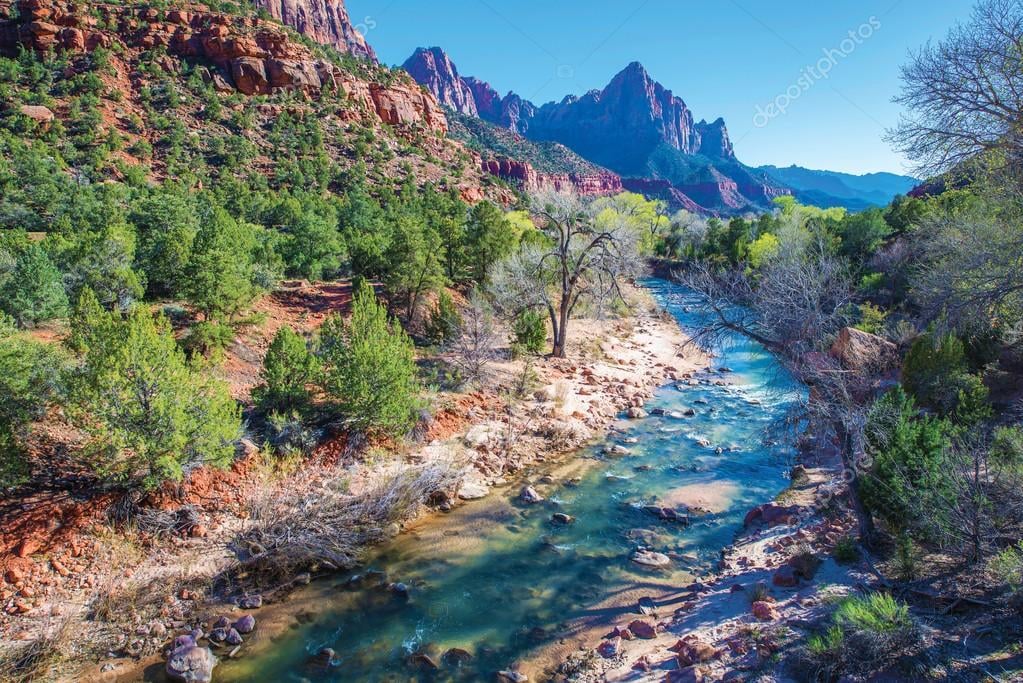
613,365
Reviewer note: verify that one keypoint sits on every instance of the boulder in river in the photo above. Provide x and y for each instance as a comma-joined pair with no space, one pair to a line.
191,664
616,449
530,496
472,490
636,413
562,518
649,558
509,676
245,624
421,660
456,656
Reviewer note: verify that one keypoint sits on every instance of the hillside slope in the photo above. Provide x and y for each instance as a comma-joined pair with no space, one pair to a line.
189,92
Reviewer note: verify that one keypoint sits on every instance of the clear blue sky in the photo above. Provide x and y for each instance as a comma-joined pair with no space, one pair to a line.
723,57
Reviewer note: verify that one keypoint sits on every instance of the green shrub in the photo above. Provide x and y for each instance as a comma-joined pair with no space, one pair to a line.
936,372
846,550
208,339
1007,567
369,368
872,319
864,635
1006,450
30,380
529,330
906,484
444,323
288,369
149,414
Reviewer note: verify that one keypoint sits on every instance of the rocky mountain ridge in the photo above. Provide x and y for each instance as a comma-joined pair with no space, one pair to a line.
634,127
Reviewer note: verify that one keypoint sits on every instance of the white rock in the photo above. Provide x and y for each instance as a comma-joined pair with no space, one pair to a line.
649,558
472,490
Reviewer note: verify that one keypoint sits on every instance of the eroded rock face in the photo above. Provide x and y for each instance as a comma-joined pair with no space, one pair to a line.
863,352
325,21
523,174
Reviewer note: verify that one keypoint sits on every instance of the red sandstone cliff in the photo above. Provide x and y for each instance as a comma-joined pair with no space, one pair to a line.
530,180
325,21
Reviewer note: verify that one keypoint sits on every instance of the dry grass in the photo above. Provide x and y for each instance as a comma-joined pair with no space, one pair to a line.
39,659
312,519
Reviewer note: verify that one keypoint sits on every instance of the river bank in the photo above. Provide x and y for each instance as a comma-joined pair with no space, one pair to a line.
153,588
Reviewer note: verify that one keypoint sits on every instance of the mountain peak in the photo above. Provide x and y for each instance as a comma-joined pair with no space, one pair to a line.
433,69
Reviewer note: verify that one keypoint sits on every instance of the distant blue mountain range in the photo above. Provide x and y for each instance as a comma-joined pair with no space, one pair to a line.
831,188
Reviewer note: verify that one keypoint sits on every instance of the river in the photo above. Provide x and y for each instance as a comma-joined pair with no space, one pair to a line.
503,582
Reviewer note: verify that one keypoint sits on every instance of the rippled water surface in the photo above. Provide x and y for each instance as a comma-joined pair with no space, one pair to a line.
501,581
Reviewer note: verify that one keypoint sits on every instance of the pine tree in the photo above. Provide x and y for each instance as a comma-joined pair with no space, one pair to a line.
369,368
33,291
149,414
288,369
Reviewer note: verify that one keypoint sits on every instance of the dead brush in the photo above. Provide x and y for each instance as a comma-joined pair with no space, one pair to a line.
804,561
312,519
39,659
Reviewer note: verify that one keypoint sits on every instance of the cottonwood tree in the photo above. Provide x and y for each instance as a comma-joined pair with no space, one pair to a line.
579,260
964,94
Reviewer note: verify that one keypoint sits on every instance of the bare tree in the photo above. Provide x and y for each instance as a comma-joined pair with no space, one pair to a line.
795,303
477,342
580,261
964,94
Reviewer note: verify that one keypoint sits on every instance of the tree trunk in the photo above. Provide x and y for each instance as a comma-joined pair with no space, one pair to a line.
561,332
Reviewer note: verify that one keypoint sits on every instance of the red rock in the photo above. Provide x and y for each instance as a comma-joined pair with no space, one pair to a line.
689,674
642,664
27,547
610,648
325,21
642,629
764,611
785,577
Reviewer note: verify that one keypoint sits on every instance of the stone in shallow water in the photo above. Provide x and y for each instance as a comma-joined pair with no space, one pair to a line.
191,664
648,558
456,656
512,677
472,490
529,495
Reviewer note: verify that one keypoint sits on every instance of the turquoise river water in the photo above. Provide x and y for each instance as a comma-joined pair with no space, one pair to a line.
501,581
